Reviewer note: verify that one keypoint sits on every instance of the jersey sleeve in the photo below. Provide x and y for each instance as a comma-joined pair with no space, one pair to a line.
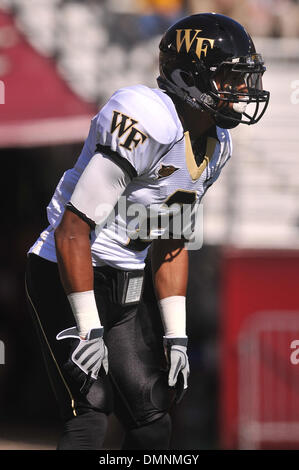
98,190
135,130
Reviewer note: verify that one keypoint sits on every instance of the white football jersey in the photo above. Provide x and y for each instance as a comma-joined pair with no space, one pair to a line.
140,129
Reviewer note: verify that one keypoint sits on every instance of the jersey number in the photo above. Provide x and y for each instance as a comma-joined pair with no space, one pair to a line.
178,197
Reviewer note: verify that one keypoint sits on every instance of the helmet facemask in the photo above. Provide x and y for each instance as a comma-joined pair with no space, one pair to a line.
237,91
231,91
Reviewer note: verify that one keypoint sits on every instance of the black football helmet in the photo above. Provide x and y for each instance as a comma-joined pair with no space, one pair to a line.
209,61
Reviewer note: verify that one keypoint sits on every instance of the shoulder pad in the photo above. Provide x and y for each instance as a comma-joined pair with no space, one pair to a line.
141,104
135,125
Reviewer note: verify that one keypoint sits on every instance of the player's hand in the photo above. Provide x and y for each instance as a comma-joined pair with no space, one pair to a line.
87,356
176,354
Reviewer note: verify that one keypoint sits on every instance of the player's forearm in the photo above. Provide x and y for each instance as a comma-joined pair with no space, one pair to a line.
170,268
170,273
76,272
74,261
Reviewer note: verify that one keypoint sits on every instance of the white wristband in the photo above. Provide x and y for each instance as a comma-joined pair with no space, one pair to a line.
85,311
173,314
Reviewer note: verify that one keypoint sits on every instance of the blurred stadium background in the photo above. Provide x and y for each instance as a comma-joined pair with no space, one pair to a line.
60,61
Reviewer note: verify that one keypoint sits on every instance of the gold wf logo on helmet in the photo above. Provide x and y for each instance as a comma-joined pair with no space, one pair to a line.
184,36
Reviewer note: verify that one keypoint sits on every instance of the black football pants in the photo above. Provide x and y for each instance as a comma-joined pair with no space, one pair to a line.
136,387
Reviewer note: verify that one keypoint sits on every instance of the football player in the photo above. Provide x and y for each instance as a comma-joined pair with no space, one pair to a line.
93,303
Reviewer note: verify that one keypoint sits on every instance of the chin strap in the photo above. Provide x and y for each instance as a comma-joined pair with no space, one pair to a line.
227,119
201,102
169,86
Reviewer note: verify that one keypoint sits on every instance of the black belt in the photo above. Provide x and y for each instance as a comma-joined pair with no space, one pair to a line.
127,286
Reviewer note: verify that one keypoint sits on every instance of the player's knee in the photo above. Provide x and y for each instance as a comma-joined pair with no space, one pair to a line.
100,395
156,402
153,435
98,398
85,431
161,395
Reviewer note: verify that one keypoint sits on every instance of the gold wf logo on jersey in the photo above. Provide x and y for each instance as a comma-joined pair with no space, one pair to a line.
189,36
125,126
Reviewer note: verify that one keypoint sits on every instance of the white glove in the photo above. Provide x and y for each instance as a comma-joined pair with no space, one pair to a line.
86,355
176,354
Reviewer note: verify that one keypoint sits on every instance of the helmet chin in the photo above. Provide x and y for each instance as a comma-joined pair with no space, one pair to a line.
227,118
